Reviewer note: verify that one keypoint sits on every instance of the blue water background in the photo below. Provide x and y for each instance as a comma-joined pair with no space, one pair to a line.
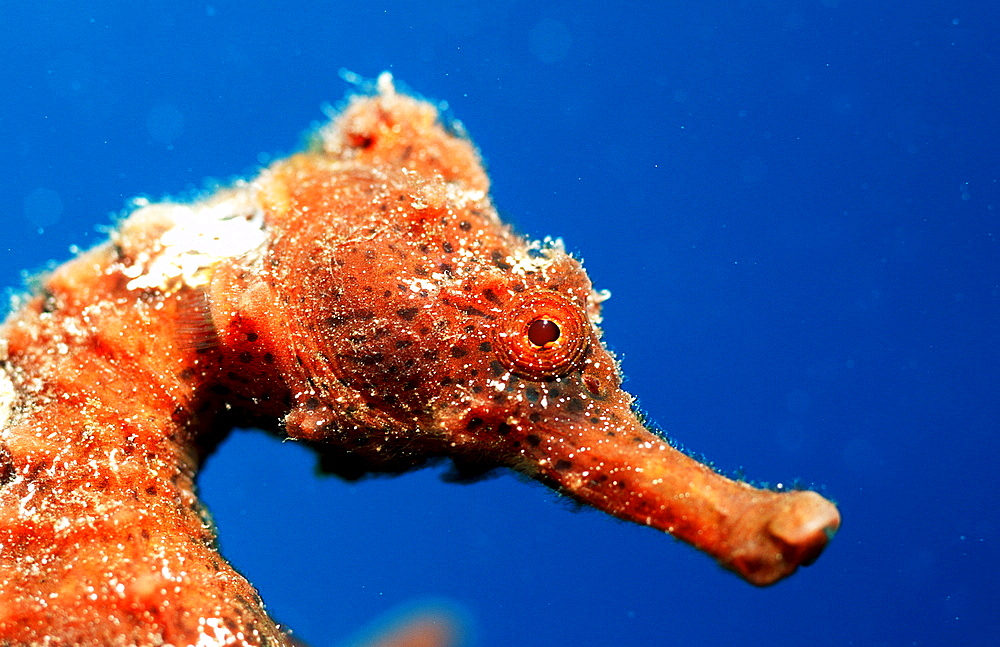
794,204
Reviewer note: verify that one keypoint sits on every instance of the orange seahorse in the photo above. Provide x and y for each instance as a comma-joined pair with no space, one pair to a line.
362,297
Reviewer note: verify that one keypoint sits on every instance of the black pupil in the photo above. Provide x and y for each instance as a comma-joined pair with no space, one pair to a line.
542,332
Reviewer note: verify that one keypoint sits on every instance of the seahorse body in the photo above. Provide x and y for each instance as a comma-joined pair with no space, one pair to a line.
362,296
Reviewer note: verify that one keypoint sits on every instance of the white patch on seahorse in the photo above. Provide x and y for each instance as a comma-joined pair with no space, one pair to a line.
201,235
538,257
214,632
8,393
461,198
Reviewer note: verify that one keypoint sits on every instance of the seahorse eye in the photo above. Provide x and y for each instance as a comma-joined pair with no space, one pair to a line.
542,332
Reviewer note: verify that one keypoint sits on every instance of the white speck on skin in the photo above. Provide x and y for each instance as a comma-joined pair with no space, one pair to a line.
214,633
421,285
8,395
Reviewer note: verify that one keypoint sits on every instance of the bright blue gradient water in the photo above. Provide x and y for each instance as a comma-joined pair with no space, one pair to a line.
794,204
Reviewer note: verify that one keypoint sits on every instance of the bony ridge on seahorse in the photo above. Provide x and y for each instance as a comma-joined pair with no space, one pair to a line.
362,296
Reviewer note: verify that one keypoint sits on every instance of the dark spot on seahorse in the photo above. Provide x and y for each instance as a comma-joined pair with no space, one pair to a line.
476,312
497,257
563,465
246,357
465,225
178,413
312,404
485,347
597,480
364,360
533,440
473,424
6,465
497,369
458,351
447,247
532,394
408,313
360,141
252,337
403,343
575,405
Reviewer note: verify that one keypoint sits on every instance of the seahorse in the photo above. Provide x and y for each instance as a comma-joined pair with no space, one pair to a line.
362,297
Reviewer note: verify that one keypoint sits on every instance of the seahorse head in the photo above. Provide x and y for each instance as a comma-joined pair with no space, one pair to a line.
392,318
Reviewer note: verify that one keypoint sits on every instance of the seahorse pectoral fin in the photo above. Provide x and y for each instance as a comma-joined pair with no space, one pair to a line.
634,474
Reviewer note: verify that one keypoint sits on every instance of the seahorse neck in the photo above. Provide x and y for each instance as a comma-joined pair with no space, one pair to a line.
106,407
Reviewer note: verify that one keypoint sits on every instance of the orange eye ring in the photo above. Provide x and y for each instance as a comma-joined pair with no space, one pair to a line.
542,334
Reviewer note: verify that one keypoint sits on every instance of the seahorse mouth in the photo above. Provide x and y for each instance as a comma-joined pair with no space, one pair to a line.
761,535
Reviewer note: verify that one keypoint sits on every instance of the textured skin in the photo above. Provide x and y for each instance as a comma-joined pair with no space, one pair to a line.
376,308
